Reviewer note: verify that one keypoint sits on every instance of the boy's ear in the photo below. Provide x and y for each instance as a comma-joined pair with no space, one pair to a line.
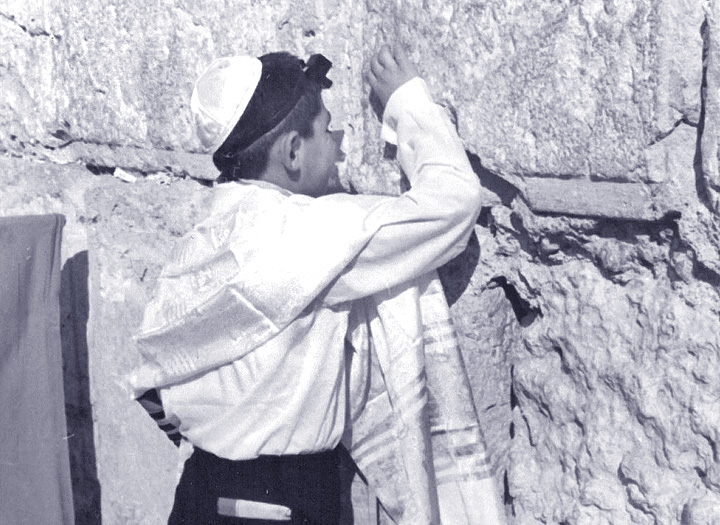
290,151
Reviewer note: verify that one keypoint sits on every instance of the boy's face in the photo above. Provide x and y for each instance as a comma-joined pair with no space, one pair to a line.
319,172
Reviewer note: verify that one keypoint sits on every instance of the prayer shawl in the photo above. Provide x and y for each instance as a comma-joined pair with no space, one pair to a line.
415,433
242,276
262,257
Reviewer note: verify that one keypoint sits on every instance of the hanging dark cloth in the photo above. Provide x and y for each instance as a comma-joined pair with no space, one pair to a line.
35,486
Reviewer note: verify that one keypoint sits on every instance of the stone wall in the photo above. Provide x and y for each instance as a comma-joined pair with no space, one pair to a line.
587,303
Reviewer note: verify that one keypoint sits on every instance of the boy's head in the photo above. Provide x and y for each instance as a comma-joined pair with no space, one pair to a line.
264,118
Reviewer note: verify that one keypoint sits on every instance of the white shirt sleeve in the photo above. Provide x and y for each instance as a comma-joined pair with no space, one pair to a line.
429,224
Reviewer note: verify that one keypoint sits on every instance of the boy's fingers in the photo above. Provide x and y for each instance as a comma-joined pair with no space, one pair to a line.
375,66
385,57
400,56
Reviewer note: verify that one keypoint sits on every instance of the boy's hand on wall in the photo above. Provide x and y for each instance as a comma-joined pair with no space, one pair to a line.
389,69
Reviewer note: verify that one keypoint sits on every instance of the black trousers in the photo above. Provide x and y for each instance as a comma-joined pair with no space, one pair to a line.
308,484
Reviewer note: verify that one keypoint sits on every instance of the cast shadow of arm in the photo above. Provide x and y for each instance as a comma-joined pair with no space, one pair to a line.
456,274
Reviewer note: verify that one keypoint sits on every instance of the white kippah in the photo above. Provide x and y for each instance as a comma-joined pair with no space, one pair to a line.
221,95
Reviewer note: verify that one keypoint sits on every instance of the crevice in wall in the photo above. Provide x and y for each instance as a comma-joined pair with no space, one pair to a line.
109,156
513,395
524,312
32,31
513,401
508,498
99,170
563,362
701,184
662,136
614,246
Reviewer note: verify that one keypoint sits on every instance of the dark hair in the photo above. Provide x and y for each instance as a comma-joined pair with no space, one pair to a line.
251,161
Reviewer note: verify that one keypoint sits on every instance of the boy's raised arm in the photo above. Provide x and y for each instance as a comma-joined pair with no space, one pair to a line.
431,223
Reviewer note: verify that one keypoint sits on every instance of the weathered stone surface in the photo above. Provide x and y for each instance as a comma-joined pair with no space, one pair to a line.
591,340
532,84
557,88
612,368
621,361
703,510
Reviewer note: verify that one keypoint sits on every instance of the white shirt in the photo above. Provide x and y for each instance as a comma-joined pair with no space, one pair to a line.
288,395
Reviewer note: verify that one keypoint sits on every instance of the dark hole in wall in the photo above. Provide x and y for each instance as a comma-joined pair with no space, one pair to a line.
485,219
513,395
74,310
507,497
705,274
513,400
99,170
524,312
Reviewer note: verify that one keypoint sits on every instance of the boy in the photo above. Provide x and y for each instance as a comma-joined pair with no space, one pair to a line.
244,339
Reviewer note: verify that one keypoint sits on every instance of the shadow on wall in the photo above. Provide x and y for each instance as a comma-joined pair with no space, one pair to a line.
490,181
74,308
456,274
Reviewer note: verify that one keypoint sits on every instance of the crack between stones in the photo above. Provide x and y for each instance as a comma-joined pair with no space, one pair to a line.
32,31
111,156
662,136
570,245
701,184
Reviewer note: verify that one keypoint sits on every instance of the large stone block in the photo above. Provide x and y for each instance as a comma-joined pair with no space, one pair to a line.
557,88
612,397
